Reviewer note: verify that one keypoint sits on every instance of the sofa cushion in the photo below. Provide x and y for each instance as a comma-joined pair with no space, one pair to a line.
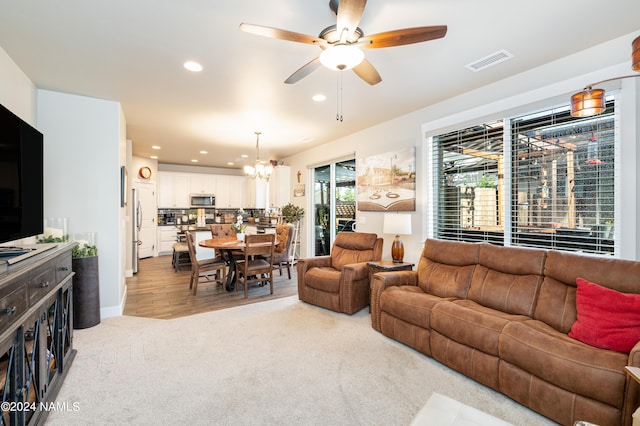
556,304
607,319
409,303
508,278
471,324
353,247
556,358
445,267
323,278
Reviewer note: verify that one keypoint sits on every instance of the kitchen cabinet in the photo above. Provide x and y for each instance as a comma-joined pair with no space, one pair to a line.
279,186
167,236
256,190
173,190
200,183
229,192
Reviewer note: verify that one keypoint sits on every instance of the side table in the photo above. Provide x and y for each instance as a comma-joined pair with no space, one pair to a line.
634,372
385,266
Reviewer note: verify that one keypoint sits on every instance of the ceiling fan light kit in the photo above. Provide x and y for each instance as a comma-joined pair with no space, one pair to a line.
341,57
591,101
342,43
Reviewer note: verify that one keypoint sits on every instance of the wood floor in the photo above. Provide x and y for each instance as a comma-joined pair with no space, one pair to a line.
156,291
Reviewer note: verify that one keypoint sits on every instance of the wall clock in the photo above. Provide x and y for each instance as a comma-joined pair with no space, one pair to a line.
145,172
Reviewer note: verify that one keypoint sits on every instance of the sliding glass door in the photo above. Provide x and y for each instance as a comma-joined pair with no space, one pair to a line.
334,204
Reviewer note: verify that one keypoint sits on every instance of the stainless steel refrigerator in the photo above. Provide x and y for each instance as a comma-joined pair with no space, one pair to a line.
137,223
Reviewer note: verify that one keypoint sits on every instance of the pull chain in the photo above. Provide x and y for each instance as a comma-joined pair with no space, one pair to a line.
339,97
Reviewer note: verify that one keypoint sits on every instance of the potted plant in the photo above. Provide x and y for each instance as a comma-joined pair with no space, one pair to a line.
86,287
292,213
239,226
255,216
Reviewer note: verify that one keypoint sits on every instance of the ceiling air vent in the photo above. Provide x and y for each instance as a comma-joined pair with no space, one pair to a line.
487,61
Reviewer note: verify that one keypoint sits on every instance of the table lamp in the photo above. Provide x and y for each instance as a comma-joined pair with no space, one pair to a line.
397,224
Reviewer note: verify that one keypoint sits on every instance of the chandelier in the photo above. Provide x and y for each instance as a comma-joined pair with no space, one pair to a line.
259,171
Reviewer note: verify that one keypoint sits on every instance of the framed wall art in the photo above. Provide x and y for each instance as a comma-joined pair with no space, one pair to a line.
387,182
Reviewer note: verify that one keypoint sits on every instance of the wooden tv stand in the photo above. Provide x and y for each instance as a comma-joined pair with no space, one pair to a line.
36,334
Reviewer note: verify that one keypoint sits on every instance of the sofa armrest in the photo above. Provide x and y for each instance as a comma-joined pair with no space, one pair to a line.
303,265
355,271
382,280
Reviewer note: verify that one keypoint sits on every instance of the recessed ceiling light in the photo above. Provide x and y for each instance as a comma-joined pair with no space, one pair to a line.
244,156
192,66
155,157
230,163
194,161
155,147
203,152
319,97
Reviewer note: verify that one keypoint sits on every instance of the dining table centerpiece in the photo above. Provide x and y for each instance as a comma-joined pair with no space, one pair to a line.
239,227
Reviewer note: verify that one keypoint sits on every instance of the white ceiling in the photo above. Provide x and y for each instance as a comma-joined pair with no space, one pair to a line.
132,52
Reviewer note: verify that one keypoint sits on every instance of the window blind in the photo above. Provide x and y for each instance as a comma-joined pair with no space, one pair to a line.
563,180
561,174
468,173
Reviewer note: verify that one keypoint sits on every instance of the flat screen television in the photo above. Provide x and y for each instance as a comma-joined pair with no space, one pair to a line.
21,178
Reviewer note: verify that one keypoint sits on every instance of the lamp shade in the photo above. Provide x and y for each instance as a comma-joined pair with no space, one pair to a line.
635,54
397,224
587,103
341,57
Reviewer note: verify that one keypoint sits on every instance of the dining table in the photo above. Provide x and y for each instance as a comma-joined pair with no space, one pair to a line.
229,248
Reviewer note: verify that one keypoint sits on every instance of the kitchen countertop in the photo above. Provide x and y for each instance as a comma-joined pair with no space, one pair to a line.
208,227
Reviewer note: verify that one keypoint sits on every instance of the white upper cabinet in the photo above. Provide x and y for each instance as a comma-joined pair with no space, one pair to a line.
229,192
279,186
200,183
173,190
256,191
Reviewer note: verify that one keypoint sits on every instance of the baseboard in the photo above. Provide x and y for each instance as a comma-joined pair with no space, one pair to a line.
114,311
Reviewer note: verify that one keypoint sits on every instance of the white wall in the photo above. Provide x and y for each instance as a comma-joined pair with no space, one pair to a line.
84,148
547,85
17,92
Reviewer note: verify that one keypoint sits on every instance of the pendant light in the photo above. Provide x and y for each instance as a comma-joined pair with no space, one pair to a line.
259,171
590,101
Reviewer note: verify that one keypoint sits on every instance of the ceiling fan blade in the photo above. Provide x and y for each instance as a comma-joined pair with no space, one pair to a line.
304,71
349,15
401,37
281,34
367,72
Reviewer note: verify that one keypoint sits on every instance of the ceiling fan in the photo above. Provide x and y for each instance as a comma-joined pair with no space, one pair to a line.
341,44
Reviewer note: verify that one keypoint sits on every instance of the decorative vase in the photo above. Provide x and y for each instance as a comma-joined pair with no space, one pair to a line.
240,236
86,292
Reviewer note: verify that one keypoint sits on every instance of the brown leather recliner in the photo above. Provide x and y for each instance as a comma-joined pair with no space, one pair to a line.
340,282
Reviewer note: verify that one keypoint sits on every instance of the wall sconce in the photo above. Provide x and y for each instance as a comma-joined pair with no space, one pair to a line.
590,101
397,224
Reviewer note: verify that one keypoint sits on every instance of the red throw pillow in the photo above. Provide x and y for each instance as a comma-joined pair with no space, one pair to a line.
607,319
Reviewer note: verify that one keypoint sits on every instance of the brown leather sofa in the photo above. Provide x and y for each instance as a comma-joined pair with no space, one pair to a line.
340,282
501,316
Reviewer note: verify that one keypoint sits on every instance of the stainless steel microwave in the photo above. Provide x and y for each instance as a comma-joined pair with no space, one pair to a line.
202,200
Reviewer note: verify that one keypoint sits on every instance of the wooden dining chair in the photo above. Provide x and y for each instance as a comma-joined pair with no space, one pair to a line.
213,267
281,252
222,230
257,265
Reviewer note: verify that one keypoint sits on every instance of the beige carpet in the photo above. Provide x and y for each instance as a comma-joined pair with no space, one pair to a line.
272,363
